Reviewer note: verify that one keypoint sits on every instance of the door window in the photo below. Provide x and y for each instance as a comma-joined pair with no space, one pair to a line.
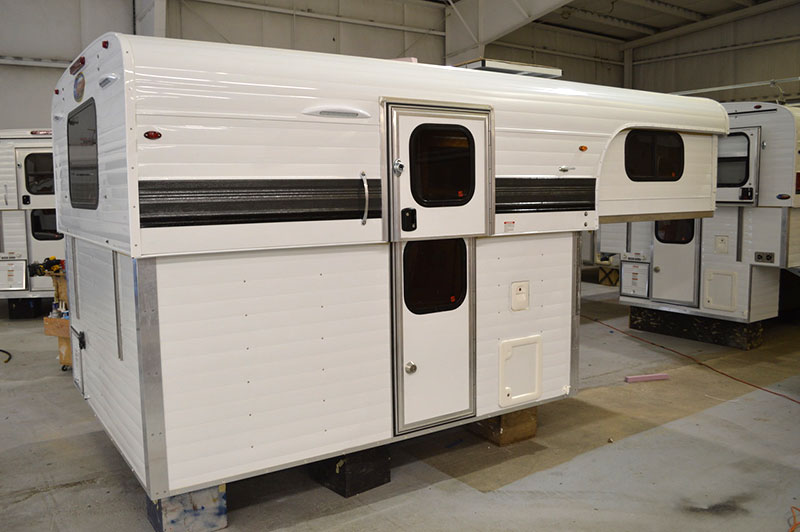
733,164
434,275
43,225
442,165
675,231
652,155
39,173
82,154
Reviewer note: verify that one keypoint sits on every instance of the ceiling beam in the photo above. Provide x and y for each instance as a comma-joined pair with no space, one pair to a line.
669,9
609,21
711,22
545,26
746,3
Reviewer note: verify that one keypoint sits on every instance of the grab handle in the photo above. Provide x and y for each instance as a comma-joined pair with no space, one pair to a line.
366,198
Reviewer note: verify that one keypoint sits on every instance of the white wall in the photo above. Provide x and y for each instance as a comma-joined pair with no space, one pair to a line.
581,58
55,30
339,32
725,67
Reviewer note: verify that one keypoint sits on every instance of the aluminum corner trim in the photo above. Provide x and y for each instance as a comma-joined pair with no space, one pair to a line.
148,343
574,359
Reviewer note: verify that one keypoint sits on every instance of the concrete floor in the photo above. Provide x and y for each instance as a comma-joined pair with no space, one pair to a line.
696,452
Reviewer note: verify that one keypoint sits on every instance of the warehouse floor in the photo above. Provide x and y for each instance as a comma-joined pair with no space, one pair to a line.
697,452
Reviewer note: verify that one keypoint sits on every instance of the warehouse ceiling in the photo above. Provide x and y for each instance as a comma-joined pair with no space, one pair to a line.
640,22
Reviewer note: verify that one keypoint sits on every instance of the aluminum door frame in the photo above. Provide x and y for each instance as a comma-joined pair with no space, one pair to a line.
37,200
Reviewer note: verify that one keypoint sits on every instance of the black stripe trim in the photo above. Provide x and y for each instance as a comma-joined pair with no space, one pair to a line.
537,194
174,203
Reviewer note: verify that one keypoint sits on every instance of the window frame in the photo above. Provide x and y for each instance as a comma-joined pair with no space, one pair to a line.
463,281
83,204
691,239
746,161
52,174
33,225
653,177
415,180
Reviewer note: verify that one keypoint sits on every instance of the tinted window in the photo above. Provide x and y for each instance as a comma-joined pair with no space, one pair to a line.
82,141
442,165
733,164
43,225
39,173
434,275
675,231
653,155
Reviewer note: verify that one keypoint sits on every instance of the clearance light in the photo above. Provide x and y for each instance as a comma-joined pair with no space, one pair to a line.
756,107
56,91
797,183
583,148
105,44
77,65
152,135
42,132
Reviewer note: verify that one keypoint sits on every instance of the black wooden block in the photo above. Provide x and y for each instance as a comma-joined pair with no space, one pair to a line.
744,336
353,473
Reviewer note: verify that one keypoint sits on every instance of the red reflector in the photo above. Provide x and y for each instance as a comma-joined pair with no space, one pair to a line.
41,132
56,91
460,193
756,107
797,183
105,44
77,65
452,299
152,135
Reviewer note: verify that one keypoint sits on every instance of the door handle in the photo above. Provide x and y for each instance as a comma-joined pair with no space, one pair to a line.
411,368
657,269
366,198
398,167
26,200
408,219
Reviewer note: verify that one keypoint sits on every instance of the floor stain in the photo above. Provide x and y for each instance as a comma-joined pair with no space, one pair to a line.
730,506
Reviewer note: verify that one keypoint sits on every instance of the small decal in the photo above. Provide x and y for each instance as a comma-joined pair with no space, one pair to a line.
508,227
78,87
783,196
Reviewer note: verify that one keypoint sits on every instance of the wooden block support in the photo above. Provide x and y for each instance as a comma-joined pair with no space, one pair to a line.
198,511
744,336
508,428
59,327
353,473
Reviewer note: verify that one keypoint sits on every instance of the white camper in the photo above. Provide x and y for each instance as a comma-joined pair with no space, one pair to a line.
279,256
27,212
728,266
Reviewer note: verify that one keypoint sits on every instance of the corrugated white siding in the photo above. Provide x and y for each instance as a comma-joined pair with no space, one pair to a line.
15,236
613,238
273,356
764,293
541,260
110,384
8,176
793,237
109,224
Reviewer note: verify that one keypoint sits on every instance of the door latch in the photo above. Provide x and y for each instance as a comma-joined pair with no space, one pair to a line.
398,167
408,219
26,200
746,193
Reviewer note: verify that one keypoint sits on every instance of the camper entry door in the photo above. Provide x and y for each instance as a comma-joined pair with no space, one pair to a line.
438,172
676,255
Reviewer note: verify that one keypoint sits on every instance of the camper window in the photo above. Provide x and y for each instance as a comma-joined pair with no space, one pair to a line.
82,156
39,173
43,225
652,155
434,275
442,165
733,164
675,231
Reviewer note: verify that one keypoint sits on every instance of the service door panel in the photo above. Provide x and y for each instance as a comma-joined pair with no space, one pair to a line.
675,260
438,163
